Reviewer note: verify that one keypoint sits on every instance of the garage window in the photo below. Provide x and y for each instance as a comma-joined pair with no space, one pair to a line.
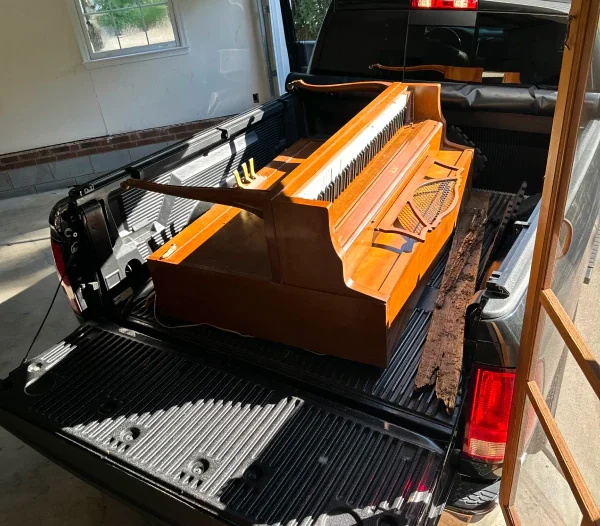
118,28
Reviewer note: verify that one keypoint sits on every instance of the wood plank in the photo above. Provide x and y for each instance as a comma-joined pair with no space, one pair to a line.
441,361
459,259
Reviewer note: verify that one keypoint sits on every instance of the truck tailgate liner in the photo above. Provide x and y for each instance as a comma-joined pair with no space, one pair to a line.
388,390
213,439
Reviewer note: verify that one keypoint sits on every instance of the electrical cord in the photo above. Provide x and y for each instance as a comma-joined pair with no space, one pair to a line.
172,326
47,313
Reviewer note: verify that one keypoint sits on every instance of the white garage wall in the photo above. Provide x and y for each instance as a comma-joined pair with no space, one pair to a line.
47,96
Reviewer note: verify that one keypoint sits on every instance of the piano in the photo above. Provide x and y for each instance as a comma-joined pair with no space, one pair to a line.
327,246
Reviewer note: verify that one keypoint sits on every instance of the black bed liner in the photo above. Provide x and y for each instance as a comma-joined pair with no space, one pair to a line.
387,392
211,437
215,427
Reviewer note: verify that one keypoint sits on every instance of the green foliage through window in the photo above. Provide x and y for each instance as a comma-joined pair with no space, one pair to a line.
130,18
308,17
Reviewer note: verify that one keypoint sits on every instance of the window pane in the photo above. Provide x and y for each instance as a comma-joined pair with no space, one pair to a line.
158,24
118,4
575,282
149,2
93,6
571,399
543,496
131,28
382,37
508,47
578,418
101,32
308,17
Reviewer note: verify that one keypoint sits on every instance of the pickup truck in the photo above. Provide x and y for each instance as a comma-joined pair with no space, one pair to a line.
190,423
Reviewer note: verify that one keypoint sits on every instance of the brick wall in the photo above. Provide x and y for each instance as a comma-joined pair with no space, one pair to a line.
64,165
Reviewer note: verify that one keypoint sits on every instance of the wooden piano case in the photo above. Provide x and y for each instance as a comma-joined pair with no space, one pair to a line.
329,271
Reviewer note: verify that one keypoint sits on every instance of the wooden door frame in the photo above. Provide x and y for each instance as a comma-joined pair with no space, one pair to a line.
581,34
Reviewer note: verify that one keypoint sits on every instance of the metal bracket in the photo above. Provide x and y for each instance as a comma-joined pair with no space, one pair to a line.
519,226
494,289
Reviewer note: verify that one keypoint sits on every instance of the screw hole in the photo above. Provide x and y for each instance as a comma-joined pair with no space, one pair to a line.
253,474
129,435
107,408
35,367
199,466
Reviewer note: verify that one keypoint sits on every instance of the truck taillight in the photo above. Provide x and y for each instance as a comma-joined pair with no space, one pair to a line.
487,422
443,4
61,270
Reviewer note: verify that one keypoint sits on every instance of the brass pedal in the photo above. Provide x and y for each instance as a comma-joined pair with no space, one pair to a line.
238,179
246,173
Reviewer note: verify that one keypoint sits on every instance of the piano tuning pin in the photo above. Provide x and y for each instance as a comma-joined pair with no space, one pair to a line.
252,172
238,179
246,173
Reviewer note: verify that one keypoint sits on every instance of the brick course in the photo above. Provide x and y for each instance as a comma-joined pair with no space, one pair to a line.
60,152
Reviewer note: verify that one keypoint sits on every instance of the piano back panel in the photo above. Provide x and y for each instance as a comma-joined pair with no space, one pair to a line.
351,328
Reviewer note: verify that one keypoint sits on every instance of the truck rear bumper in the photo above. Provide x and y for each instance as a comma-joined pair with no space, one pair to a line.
184,435
471,499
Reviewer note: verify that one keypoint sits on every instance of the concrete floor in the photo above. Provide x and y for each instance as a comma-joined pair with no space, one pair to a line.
33,490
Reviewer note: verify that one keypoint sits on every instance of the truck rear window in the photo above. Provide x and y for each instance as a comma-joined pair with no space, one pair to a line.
505,47
486,47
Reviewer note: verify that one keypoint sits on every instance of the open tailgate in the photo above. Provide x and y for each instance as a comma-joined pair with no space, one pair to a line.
186,435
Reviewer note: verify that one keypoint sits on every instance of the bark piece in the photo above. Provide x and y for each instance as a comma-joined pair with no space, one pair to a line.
441,361
457,260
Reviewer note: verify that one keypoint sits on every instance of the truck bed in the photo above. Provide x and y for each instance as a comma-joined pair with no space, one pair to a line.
211,436
387,392
185,422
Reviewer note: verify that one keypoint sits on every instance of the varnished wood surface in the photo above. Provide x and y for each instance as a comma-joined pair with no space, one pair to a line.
311,270
218,216
351,328
346,87
455,73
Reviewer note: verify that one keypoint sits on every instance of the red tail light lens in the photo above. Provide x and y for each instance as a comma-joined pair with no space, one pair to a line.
61,270
59,262
443,4
487,425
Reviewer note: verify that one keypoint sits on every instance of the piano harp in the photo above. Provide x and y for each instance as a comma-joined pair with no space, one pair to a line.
324,247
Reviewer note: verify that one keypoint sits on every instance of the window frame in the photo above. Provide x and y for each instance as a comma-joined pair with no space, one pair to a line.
93,59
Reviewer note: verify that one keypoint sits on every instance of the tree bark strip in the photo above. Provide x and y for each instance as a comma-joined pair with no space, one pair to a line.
441,361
